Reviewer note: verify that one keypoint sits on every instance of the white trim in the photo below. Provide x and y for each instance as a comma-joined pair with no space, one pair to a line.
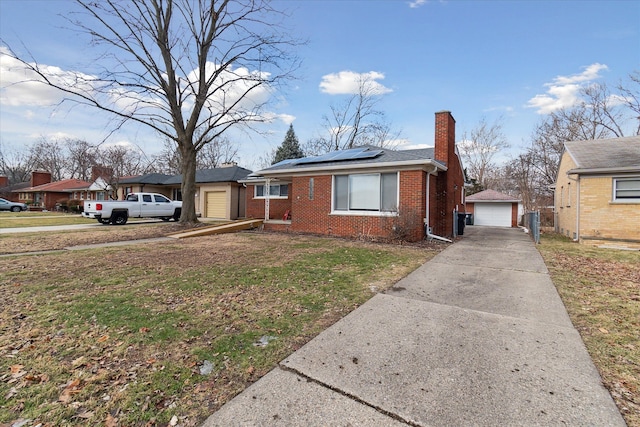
364,213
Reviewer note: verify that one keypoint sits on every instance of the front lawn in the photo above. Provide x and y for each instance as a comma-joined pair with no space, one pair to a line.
601,291
143,334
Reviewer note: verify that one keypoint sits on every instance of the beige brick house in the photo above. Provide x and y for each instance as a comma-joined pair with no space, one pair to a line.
597,192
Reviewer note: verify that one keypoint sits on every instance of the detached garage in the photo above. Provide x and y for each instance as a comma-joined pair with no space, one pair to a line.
491,208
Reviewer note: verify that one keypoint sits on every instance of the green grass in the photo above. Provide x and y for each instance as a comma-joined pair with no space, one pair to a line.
601,291
39,219
122,332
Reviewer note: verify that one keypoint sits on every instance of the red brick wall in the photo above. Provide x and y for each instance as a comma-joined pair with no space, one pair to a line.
277,207
39,178
314,216
447,187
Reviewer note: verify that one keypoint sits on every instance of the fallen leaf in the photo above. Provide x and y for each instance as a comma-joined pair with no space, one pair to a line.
144,330
103,338
603,330
251,370
16,368
110,421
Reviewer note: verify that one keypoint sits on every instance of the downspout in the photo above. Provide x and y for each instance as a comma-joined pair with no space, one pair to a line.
426,220
577,239
577,181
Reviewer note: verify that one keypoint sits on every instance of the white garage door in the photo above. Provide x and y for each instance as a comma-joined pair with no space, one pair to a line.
493,214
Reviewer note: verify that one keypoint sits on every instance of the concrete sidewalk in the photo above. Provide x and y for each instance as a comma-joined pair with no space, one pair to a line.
476,336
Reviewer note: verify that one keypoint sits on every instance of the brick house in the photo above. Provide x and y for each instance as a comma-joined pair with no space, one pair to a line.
46,194
597,192
365,191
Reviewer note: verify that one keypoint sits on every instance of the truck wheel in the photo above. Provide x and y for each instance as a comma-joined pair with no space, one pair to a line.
119,218
176,214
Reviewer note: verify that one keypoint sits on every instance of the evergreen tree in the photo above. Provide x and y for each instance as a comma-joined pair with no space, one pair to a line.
289,149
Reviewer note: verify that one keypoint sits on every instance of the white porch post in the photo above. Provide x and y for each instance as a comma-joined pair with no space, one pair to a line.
267,192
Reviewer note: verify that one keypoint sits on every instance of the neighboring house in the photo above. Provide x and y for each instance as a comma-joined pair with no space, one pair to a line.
11,191
364,192
150,183
493,208
47,196
597,191
218,193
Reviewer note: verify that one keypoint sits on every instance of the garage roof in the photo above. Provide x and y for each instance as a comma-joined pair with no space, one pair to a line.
491,196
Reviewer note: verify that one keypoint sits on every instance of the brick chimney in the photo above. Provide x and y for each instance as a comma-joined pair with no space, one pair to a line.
100,171
446,194
445,141
40,177
4,181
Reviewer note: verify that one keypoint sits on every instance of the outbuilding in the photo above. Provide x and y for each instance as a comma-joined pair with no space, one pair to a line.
492,208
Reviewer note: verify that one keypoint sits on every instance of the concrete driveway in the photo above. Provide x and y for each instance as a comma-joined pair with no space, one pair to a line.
476,336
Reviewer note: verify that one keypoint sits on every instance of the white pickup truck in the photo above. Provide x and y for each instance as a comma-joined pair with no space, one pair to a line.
136,205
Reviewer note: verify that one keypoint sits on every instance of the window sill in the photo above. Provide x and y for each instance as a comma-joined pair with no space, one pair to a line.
625,202
363,213
272,198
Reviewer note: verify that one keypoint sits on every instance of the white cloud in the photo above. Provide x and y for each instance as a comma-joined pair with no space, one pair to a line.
563,91
417,3
20,86
349,82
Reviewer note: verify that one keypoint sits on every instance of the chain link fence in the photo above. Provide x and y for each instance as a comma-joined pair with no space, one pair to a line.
532,224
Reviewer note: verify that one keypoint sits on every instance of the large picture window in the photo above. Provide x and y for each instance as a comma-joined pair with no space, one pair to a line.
627,188
366,192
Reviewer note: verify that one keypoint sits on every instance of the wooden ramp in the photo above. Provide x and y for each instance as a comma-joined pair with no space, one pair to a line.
219,229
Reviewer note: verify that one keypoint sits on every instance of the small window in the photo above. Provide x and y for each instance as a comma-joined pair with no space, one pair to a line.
626,189
146,198
275,190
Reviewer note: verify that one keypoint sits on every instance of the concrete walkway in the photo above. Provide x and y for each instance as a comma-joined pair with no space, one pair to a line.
476,336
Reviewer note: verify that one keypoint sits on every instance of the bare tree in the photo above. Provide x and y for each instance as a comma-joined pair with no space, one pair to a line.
15,165
479,147
630,94
50,156
217,152
188,69
354,122
82,157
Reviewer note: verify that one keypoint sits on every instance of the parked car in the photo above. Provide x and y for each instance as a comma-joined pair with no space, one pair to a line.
137,205
8,205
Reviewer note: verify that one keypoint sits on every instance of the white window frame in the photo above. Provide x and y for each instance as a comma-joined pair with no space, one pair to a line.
618,199
366,212
271,187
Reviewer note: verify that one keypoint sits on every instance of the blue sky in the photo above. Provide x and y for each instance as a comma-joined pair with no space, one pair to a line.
512,59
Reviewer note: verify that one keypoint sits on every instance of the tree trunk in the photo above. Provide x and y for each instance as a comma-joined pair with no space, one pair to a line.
188,215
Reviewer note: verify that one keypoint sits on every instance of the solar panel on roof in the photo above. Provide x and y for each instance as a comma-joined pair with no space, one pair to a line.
334,156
